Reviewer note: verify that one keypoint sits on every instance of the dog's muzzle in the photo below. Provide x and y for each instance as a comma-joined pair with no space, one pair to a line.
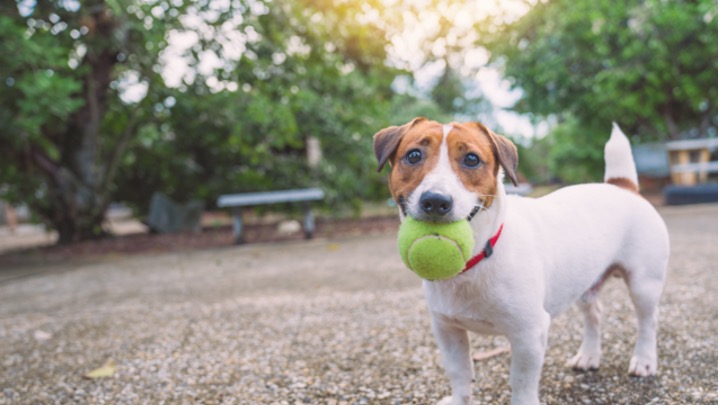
403,209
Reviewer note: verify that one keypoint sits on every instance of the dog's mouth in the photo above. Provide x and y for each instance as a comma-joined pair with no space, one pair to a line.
403,205
474,212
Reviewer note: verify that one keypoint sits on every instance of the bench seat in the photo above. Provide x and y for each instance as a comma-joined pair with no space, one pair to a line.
237,201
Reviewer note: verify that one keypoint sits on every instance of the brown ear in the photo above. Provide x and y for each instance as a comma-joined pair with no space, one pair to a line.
387,140
505,152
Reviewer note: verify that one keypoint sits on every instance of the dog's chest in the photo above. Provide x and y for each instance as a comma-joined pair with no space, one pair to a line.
459,306
485,327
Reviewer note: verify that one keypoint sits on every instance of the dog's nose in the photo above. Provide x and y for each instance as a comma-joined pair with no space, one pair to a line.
435,204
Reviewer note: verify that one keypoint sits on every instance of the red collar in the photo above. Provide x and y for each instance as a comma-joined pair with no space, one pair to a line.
485,253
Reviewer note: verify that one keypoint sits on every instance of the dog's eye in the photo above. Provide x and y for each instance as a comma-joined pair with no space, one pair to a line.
471,160
413,156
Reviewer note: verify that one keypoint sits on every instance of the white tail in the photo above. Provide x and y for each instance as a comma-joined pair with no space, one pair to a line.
619,163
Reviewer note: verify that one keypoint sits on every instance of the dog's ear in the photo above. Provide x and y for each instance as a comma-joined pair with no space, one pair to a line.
387,140
505,152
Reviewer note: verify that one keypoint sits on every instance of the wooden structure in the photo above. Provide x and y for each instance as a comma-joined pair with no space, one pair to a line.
690,161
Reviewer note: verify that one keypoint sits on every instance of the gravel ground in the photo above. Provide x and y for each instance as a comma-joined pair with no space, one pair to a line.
327,321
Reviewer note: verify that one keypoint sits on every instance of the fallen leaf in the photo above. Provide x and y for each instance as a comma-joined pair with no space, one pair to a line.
107,370
490,353
41,335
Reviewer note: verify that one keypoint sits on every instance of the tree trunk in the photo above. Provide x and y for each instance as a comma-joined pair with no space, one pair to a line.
78,212
65,173
77,229
69,206
670,123
78,184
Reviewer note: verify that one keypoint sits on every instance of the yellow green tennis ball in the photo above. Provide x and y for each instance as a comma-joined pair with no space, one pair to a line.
435,251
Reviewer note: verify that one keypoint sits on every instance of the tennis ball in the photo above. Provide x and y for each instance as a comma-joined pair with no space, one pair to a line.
435,251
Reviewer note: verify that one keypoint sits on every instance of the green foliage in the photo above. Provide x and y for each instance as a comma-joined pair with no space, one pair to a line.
57,92
77,140
405,108
650,65
576,154
286,72
448,92
38,68
452,95
534,164
297,79
601,61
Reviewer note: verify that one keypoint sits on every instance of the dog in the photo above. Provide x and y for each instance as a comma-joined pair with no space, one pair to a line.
537,256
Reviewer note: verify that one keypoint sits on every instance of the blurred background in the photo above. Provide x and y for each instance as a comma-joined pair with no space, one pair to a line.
115,112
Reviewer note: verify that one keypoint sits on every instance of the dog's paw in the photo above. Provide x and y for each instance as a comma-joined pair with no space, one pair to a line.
584,362
642,366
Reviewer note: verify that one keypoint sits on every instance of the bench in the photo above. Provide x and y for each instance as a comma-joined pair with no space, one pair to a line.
237,201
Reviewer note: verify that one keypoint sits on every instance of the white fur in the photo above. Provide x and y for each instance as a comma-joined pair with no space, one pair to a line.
444,180
551,253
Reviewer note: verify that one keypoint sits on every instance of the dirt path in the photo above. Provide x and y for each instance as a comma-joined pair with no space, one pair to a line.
335,320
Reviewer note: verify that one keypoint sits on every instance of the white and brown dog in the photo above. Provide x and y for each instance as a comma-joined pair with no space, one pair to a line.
547,253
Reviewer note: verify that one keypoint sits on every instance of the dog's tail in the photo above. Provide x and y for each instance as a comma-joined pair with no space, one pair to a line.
619,163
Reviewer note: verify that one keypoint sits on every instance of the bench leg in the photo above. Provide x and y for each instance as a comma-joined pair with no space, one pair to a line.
687,179
238,227
309,222
704,159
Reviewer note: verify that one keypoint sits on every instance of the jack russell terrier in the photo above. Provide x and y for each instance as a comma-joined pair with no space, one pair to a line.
548,252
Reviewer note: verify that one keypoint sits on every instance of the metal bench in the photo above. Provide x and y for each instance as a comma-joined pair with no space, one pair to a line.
237,201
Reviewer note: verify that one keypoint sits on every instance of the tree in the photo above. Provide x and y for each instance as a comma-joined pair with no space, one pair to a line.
650,65
91,115
453,94
308,70
61,154
76,141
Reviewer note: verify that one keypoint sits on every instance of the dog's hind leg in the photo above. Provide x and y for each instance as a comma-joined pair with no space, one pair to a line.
588,356
645,294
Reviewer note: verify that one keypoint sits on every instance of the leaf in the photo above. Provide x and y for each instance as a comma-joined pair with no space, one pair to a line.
41,335
107,370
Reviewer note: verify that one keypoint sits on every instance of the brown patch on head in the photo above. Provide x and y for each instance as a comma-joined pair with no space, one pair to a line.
463,140
394,143
387,140
425,137
494,151
505,152
624,183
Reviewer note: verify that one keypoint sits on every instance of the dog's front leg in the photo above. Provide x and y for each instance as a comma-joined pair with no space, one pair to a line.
528,351
455,355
